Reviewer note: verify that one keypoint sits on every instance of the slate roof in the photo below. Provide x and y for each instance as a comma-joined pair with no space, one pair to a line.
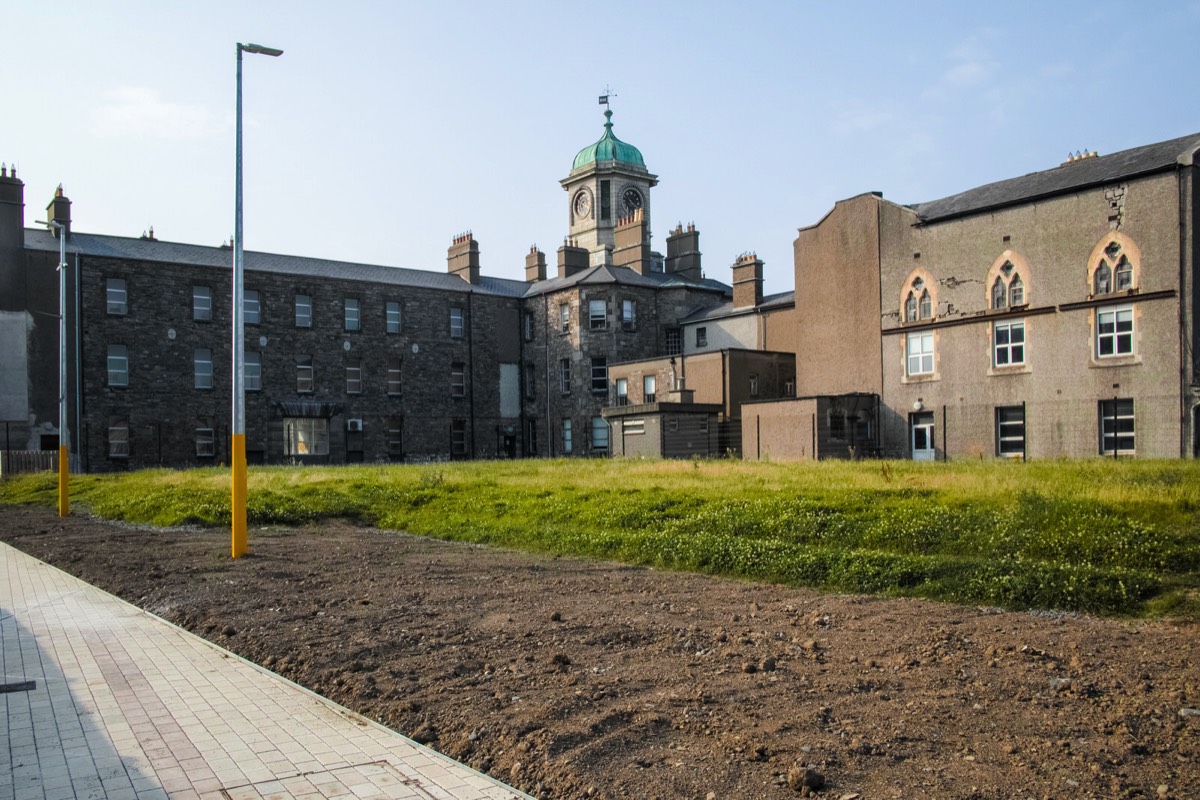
726,309
1069,177
624,276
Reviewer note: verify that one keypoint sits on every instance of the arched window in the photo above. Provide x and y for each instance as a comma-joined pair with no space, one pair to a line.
1102,280
1115,265
918,297
910,308
926,305
1124,275
999,293
1016,291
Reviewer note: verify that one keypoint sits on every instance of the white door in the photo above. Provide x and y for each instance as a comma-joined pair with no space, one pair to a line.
922,436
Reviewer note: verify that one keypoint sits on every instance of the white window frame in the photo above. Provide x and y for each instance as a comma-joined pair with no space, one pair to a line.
702,336
649,388
202,303
564,376
629,313
1012,353
919,359
1010,432
393,315
395,376
352,314
118,365
458,325
116,296
304,311
206,443
458,379
622,391
252,371
599,435
599,375
202,368
354,376
251,307
305,436
564,318
305,378
1116,316
1113,413
567,445
597,315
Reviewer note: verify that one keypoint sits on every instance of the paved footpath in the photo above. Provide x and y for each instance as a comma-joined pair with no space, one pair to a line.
103,700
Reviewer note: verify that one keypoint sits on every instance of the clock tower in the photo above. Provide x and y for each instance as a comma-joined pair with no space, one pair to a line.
608,181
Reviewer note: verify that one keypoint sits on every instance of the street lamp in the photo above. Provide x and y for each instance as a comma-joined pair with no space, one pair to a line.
64,434
238,438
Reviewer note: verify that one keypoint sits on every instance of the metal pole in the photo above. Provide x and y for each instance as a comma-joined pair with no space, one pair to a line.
238,435
64,433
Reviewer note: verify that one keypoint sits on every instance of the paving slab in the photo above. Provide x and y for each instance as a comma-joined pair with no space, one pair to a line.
104,700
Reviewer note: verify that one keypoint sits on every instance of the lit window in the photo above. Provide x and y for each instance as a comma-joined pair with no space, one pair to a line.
305,436
206,443
456,323
600,375
354,378
303,311
920,353
458,437
253,371
118,365
701,337
118,298
458,379
201,303
1114,332
393,316
118,439
304,374
1116,427
597,315
648,387
394,376
564,318
203,369
1010,431
599,434
351,314
1008,343
251,307
564,375
567,445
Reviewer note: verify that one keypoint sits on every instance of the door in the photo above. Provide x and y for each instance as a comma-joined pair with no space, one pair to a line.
922,436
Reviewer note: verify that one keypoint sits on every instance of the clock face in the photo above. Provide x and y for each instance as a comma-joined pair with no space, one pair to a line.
583,204
631,199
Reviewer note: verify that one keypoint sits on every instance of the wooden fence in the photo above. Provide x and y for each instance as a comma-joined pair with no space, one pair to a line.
18,462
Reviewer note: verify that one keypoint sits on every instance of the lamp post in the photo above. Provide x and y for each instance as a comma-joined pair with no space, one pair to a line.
238,437
64,434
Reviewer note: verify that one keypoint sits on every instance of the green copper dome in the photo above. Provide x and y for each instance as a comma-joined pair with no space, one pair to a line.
609,148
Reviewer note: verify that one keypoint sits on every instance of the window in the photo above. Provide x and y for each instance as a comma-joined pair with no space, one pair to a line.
458,437
918,302
118,439
252,372
1008,343
456,323
531,437
1007,288
564,318
605,200
251,307
1113,267
395,437
628,313
118,298
394,376
673,341
754,386
1016,291
304,374
201,303
648,385
354,376
597,314
600,375
458,379
1114,331
920,353
530,383
392,315
118,365
202,368
599,434
999,294
1010,431
351,313
789,387
564,375
567,446
304,317
305,436
702,337
527,326
206,443
622,391
837,424
1116,427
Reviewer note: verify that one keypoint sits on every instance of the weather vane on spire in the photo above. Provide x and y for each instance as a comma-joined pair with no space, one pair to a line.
604,97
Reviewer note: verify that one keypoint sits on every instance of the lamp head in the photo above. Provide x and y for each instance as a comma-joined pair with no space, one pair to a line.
259,49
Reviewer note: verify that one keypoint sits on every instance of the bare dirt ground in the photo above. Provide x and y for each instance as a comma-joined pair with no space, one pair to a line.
570,678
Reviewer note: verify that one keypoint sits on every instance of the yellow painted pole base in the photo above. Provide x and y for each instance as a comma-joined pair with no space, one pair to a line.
239,495
64,469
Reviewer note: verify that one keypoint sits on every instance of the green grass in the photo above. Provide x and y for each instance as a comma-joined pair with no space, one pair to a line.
1112,538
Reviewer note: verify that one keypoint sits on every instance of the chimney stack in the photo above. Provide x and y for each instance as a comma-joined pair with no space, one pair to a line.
12,242
632,247
535,265
572,259
683,252
462,257
59,211
747,281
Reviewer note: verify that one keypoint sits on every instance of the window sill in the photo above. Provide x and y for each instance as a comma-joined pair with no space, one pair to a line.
924,378
1104,362
1009,369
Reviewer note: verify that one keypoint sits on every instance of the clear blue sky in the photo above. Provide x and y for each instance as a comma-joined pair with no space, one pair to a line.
386,128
